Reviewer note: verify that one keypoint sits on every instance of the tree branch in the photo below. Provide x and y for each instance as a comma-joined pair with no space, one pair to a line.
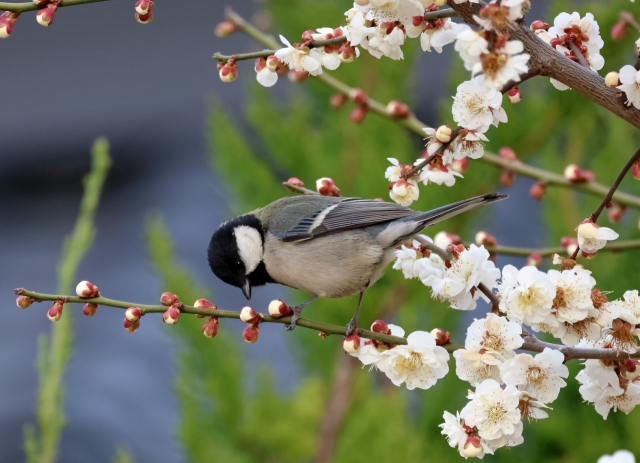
30,6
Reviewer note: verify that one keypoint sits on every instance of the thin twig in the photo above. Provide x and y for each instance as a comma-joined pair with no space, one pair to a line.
523,77
578,54
30,6
417,168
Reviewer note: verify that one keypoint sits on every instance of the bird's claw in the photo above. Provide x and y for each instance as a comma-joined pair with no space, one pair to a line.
297,311
352,326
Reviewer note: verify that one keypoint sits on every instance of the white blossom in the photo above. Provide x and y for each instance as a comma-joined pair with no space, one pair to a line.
404,192
493,410
357,30
628,309
454,431
474,367
477,107
573,294
526,294
504,65
494,335
438,174
438,38
586,26
392,10
621,456
395,171
514,12
539,376
370,353
592,237
419,364
630,85
470,45
385,44
457,282
407,259
300,59
266,78
468,143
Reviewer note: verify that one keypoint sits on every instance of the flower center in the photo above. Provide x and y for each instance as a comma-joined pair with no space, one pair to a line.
536,375
496,413
409,364
475,104
492,341
492,63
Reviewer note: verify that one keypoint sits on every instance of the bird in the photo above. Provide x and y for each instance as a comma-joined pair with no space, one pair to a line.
329,247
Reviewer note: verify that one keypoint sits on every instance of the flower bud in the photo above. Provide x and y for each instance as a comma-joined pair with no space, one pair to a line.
534,259
358,114
616,212
24,301
251,333
612,79
90,309
514,95
338,100
278,309
508,177
133,314
225,29
131,327
619,29
228,72
537,25
168,299
507,153
298,76
587,229
441,336
358,96
144,19
472,447
443,134
351,343
204,304
538,190
570,243
347,53
635,170
55,312
210,327
7,20
86,290
574,174
460,165
483,238
379,326
45,16
143,7
629,368
248,315
170,317
326,187
443,239
307,36
273,63
397,109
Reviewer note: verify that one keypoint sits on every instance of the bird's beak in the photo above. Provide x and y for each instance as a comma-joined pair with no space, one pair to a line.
246,290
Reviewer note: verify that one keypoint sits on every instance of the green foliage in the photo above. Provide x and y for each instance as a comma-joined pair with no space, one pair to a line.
54,352
123,455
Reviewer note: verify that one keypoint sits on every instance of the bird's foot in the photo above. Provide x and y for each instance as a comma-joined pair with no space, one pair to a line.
352,326
297,311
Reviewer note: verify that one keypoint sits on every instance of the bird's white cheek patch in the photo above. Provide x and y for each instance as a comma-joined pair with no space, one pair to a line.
249,245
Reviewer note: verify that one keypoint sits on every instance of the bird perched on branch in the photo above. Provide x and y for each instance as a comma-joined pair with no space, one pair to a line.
323,245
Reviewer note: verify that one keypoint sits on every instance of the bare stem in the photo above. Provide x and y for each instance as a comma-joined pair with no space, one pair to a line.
579,56
523,77
30,6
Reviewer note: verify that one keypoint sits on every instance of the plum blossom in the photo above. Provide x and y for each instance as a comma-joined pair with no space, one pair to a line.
357,29
455,432
407,258
440,36
330,56
433,145
471,45
419,364
477,107
468,143
300,58
493,410
370,352
526,294
630,85
500,15
540,376
592,237
385,42
474,367
494,335
503,64
457,282
438,173
391,11
404,192
573,294
621,456
396,171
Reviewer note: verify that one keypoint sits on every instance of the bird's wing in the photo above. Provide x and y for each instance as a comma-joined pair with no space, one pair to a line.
346,215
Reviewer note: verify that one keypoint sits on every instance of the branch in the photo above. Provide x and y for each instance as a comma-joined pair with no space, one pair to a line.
548,252
549,62
523,77
30,6
579,56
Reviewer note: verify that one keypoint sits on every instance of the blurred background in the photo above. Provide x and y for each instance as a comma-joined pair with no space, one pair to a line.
189,152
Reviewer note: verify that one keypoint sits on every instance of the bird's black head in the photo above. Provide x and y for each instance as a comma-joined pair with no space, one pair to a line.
235,253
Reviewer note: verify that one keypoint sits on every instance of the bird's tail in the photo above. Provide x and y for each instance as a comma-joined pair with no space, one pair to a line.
442,213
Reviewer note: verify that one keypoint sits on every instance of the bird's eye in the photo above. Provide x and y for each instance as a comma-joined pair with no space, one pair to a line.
239,264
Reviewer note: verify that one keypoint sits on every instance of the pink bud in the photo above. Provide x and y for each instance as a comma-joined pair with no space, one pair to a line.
273,63
24,301
144,19
40,2
86,290
204,304
635,170
574,174
616,212
131,327
443,239
298,76
534,259
537,25
351,343
55,312
472,447
90,309
612,79
357,115
225,29
379,326
326,187
507,153
460,165
210,327
307,35
278,309
251,333
295,181
338,100
566,241
248,315
229,71
514,95
133,314
143,7
508,177
619,29
485,239
7,20
358,96
168,299
441,336
398,109
538,190
170,317
347,53
443,133
45,16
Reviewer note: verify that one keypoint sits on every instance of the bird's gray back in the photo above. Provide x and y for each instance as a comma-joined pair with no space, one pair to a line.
284,213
